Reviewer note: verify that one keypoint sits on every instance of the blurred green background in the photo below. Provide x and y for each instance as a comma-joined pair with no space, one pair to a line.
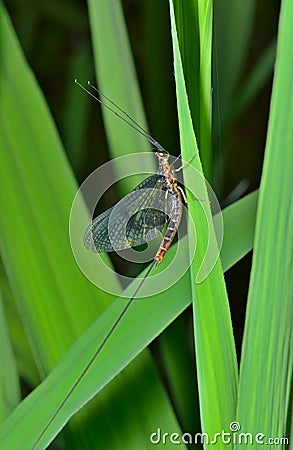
57,43
38,189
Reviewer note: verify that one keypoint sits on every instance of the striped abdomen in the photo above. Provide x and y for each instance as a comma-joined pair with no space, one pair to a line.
175,217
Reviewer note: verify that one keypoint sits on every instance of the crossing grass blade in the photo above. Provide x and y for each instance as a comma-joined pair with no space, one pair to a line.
116,76
9,383
38,209
215,351
174,344
265,393
37,193
78,110
24,359
145,321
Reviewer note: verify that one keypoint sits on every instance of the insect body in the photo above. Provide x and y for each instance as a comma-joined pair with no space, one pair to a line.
138,214
166,170
155,204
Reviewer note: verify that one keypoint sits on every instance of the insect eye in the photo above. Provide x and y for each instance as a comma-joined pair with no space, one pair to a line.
162,154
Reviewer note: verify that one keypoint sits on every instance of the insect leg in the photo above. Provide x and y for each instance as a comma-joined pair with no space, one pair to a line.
183,194
190,201
186,163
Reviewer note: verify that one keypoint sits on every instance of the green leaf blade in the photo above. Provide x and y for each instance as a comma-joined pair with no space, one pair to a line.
146,320
266,366
215,349
117,79
56,301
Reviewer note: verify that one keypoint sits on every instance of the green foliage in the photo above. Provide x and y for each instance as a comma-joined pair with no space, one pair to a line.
53,318
267,361
215,352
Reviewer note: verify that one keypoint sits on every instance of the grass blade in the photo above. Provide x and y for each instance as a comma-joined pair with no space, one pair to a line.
9,383
117,79
215,352
26,366
265,396
38,189
146,320
194,20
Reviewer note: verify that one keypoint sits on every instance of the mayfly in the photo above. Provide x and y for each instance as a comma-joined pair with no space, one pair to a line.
161,188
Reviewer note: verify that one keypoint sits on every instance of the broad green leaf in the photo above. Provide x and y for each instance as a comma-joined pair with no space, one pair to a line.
9,382
116,76
265,396
177,358
26,366
117,79
146,319
158,77
56,301
239,219
77,108
215,352
38,188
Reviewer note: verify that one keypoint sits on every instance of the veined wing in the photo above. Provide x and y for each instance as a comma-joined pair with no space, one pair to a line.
136,219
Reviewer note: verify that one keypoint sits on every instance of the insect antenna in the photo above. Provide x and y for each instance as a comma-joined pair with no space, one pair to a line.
131,122
95,355
116,106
